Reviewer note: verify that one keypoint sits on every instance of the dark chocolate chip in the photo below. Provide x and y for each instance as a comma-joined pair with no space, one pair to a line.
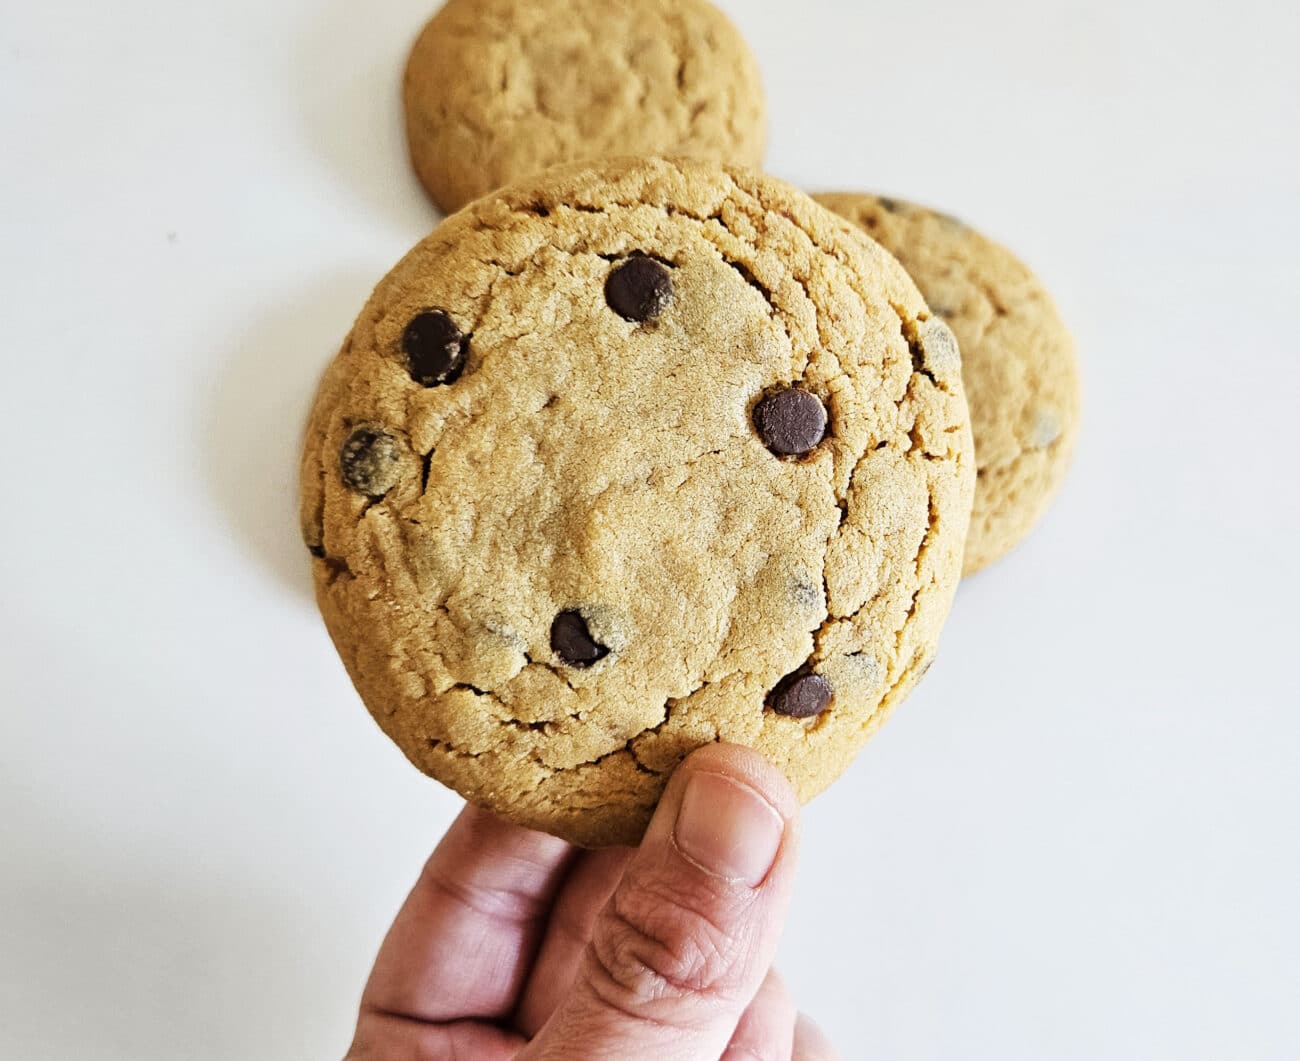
639,289
435,349
801,695
571,640
317,551
370,461
891,205
791,422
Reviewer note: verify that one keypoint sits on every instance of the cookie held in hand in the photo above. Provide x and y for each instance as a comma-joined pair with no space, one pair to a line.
630,458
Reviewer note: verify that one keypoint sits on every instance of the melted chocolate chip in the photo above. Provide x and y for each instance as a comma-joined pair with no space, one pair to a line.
1047,429
801,695
370,462
808,596
571,640
791,422
639,289
435,349
938,354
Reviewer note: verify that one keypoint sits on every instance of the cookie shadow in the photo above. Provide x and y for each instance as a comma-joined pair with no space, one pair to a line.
347,76
257,415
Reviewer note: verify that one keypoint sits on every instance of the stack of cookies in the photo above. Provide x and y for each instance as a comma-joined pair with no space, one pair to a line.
642,449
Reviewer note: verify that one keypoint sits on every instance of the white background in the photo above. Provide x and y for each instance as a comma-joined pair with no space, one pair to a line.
1078,840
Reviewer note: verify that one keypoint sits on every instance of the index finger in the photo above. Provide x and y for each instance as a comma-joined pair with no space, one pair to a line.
462,944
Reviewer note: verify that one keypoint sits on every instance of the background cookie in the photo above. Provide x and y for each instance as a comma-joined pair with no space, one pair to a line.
1018,362
631,458
498,90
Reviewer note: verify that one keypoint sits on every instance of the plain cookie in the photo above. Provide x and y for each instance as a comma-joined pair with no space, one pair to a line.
1019,362
627,459
498,90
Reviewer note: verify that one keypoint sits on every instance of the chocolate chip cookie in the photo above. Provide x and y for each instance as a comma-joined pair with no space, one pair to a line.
629,458
1018,362
498,90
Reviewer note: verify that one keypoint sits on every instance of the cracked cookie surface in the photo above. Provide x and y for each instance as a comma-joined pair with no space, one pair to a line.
498,90
559,565
1018,362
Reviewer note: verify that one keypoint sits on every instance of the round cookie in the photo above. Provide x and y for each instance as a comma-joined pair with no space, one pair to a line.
498,90
1017,355
634,457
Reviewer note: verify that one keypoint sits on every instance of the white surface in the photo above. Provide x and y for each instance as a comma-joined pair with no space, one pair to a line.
1079,840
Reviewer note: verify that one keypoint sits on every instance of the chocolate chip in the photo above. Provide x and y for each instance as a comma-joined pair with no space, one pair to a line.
791,422
801,695
435,349
571,640
639,289
893,206
940,354
370,461
1047,430
808,596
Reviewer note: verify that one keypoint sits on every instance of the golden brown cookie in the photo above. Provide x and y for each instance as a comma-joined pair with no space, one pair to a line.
1018,362
498,90
627,459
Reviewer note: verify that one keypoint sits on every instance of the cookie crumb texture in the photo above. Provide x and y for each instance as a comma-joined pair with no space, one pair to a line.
586,561
1018,362
498,90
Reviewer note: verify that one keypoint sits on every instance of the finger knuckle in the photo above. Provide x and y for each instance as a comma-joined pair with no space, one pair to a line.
657,944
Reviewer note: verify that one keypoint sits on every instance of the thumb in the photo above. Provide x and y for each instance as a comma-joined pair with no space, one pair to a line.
683,946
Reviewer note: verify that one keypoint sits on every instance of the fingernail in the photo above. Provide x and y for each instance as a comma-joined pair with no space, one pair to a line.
728,829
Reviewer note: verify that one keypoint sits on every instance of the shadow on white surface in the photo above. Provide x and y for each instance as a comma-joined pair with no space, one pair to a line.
352,108
258,413
345,75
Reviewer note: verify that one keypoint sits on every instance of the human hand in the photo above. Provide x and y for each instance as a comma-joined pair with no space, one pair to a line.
514,945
